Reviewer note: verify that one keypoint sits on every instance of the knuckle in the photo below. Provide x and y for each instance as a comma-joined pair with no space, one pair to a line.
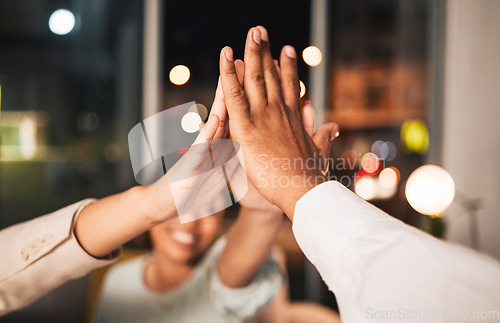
230,69
257,78
293,84
271,69
237,91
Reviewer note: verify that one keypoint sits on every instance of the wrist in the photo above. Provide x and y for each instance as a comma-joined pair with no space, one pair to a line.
300,184
271,210
156,201
263,218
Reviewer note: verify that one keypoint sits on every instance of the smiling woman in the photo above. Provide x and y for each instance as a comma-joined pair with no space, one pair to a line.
180,281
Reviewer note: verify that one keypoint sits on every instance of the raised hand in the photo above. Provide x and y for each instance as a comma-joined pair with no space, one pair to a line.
265,119
196,183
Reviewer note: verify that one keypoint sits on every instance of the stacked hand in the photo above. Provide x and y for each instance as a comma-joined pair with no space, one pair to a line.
281,152
265,120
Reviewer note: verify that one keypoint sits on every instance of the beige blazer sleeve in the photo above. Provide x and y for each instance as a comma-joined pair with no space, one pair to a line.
38,255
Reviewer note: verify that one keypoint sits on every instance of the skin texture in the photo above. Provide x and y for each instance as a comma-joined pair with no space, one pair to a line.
110,222
176,257
256,104
265,107
248,241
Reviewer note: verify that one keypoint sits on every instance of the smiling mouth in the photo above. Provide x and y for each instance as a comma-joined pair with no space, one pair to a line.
184,238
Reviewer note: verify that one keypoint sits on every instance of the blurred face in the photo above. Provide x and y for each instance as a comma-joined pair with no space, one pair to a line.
185,243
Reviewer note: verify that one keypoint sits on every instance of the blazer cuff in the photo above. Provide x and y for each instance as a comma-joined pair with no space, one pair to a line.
113,255
41,255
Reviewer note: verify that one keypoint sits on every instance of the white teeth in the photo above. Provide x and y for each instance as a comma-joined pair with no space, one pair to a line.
183,237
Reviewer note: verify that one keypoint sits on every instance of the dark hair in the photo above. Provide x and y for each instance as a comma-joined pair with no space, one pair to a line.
144,241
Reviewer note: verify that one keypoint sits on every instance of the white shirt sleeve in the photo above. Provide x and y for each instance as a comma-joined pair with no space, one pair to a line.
382,270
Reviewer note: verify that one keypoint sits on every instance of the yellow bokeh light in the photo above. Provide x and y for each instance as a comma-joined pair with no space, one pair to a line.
302,88
389,177
27,137
312,56
415,136
179,75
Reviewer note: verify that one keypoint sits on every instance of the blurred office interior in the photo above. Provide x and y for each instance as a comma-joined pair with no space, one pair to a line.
410,83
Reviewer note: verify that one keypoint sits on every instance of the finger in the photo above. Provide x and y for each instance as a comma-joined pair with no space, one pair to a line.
290,78
308,118
219,109
234,94
324,136
255,86
240,73
208,130
273,86
223,131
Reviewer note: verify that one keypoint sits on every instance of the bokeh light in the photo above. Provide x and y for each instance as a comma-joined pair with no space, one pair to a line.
112,152
88,121
365,188
302,88
190,122
430,190
370,163
389,177
200,109
385,150
179,75
350,158
312,56
361,145
27,137
62,22
415,136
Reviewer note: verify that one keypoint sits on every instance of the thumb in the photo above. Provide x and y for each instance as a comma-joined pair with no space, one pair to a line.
324,136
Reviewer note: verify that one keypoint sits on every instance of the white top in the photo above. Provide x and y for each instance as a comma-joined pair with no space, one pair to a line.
201,298
382,270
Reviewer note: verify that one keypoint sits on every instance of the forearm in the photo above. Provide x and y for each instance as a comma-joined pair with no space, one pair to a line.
373,262
110,222
248,244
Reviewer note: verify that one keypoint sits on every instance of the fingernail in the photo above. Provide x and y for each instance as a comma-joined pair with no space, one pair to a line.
308,103
219,118
256,36
334,135
229,54
211,118
264,36
290,52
